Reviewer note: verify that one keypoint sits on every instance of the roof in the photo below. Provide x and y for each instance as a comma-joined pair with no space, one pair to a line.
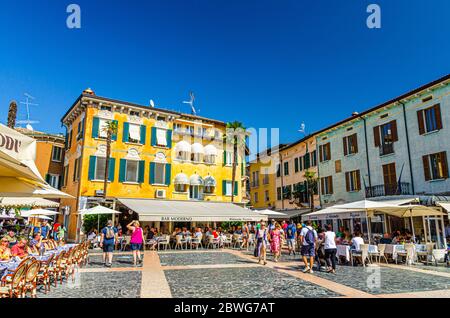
187,211
39,135
162,110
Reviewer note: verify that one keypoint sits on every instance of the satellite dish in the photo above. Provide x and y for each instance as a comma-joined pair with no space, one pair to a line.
29,127
152,103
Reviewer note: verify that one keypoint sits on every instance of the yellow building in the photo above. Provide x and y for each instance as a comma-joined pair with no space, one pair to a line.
156,154
262,174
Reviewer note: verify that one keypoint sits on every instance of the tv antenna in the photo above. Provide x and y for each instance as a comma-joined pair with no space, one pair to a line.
191,102
28,102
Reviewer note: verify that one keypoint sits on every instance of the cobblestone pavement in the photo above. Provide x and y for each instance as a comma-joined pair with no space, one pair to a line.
240,283
119,261
124,284
441,269
199,258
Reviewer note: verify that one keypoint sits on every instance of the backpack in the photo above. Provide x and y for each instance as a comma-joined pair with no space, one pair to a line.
109,233
289,231
309,237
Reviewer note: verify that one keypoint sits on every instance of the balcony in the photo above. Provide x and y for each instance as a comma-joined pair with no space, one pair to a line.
388,189
386,149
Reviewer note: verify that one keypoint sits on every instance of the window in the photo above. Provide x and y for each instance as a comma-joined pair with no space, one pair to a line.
100,167
195,192
385,136
53,180
76,170
177,127
314,158
278,170
300,163
135,113
161,137
65,175
266,196
287,192
132,171
296,166
80,129
228,188
183,155
429,119
134,133
286,168
279,194
107,108
255,179
228,158
266,176
435,166
69,140
350,144
352,181
306,161
197,157
209,189
325,152
211,159
160,173
338,166
190,130
181,187
102,131
326,185
160,118
255,197
56,153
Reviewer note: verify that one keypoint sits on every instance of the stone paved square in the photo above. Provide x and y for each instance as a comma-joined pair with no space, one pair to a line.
200,258
119,261
257,282
125,284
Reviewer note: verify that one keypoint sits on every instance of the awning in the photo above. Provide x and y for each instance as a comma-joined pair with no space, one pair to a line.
210,150
27,202
183,146
445,205
197,148
151,210
19,187
196,180
210,181
181,178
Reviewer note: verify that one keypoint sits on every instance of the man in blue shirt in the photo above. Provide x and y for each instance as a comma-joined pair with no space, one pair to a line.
107,242
291,236
44,229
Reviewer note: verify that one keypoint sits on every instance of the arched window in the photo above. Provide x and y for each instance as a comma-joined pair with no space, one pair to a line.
210,154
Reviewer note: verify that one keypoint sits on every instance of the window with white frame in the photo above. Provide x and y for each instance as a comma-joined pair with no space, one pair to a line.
228,188
228,158
53,180
57,154
209,159
100,166
132,171
103,126
177,127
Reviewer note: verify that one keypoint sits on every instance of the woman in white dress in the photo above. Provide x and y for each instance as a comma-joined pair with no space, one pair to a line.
262,242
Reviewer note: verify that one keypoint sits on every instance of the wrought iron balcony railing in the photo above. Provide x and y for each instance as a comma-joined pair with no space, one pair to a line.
402,188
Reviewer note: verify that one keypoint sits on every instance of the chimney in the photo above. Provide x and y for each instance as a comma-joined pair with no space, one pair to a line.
88,91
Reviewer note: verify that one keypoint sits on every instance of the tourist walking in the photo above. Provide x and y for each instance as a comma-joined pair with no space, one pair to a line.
308,237
136,241
107,242
275,242
245,236
261,243
330,249
291,234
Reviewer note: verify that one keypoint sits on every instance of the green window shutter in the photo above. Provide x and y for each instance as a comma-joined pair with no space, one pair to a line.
169,138
143,134
112,169
224,187
122,170
242,169
168,173
224,157
126,132
153,136
141,171
114,135
235,188
92,164
95,127
47,178
152,173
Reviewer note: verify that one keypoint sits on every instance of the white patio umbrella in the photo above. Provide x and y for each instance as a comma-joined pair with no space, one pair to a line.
37,212
270,212
17,155
42,217
98,210
24,202
21,187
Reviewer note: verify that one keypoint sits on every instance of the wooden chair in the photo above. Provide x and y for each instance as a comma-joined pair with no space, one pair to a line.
43,277
55,270
14,286
30,282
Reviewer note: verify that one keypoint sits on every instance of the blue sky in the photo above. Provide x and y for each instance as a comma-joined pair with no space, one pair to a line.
265,63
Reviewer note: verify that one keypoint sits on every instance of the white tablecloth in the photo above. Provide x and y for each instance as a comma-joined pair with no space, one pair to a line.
343,250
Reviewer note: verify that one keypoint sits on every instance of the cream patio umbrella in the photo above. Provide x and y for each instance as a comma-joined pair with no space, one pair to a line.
270,212
27,202
98,210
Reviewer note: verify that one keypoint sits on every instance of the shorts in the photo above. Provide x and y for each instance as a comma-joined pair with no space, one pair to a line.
136,246
308,250
291,243
108,248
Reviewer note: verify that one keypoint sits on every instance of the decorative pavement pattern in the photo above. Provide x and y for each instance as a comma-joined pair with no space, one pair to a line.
233,273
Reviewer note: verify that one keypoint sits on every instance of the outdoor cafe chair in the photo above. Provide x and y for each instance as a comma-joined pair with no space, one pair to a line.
125,242
43,274
165,242
427,254
380,253
196,242
251,241
180,242
30,281
363,253
238,241
439,256
227,240
55,270
14,286
214,242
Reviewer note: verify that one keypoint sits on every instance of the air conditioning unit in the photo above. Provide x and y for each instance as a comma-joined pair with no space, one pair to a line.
161,194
